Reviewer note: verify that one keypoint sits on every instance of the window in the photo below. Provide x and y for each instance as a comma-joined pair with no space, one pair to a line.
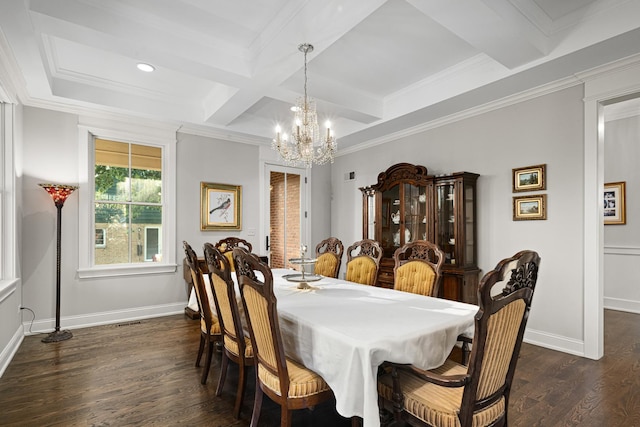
126,200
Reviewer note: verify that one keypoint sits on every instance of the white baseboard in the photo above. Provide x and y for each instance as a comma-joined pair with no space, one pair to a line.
622,305
104,318
10,350
554,342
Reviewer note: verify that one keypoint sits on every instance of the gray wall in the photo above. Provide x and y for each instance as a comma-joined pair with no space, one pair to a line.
547,129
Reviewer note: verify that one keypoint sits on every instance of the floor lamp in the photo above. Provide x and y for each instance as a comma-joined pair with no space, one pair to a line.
59,193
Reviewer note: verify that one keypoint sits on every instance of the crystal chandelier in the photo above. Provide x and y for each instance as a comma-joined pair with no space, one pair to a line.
306,146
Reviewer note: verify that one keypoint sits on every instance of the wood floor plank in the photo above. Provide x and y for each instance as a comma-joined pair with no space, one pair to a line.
143,373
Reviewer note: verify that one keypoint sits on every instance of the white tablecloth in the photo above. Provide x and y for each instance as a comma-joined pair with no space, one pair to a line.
344,331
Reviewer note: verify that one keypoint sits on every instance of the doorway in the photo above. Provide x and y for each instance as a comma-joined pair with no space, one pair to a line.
285,222
607,88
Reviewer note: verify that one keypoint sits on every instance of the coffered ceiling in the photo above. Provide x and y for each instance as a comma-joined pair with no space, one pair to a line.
232,69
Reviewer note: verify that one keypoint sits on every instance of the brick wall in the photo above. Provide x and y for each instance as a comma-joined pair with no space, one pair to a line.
282,225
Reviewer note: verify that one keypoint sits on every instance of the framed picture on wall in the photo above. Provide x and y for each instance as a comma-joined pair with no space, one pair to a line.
530,207
614,203
530,178
220,206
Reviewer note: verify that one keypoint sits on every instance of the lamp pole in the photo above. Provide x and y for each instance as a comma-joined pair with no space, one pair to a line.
59,193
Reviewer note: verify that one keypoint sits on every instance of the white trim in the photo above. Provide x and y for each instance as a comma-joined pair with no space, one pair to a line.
554,342
126,270
619,304
164,137
8,227
622,250
7,288
10,350
106,317
602,86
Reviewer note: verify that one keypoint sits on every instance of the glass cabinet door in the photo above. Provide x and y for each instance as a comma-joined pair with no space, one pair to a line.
415,213
445,220
469,222
390,220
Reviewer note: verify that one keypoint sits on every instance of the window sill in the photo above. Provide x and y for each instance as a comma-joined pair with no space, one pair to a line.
126,270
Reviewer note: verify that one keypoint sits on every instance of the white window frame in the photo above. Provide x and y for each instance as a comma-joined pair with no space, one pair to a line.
159,136
8,223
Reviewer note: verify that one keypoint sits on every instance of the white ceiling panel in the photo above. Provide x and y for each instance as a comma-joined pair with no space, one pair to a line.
233,69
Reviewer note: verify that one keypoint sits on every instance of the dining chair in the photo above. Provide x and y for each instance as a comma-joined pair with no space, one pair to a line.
235,345
418,268
210,332
477,394
227,244
283,380
363,261
329,257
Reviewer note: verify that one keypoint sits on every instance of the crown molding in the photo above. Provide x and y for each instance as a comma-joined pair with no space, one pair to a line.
465,114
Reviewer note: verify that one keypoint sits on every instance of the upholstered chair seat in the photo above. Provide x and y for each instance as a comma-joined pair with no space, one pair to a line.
303,382
436,405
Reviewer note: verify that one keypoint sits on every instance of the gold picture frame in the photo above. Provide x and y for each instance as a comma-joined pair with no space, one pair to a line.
614,203
530,178
530,207
220,207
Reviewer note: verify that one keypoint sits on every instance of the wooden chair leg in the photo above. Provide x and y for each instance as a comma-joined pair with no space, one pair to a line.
285,417
223,373
356,422
207,363
242,382
200,350
257,404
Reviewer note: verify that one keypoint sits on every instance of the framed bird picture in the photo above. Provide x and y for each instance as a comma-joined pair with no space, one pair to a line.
220,207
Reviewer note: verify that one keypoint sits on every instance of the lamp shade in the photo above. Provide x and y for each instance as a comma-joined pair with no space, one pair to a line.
59,192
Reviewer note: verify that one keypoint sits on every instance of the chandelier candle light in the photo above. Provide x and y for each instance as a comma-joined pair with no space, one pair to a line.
59,193
306,146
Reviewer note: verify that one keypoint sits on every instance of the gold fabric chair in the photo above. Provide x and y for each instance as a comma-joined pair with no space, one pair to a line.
363,261
210,332
283,380
329,257
236,346
477,395
418,268
227,244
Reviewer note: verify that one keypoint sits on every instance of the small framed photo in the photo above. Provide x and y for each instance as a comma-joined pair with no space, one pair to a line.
530,207
614,203
220,206
530,178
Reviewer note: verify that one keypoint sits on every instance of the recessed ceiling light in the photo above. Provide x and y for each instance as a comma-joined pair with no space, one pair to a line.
147,68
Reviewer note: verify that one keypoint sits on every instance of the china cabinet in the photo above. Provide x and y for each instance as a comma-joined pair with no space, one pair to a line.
408,204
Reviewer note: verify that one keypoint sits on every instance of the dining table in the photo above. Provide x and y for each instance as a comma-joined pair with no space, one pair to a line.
344,331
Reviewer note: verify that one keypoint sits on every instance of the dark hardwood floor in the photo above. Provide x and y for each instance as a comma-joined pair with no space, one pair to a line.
142,373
